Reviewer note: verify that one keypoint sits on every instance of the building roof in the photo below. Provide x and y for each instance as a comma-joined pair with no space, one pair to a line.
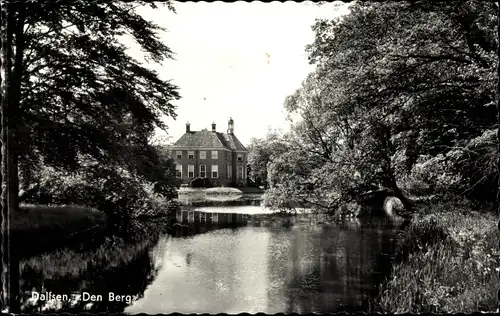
233,142
209,139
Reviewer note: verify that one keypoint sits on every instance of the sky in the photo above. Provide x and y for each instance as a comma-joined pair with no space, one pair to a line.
238,60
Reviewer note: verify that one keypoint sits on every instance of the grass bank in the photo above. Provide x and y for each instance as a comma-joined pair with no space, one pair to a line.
446,263
38,228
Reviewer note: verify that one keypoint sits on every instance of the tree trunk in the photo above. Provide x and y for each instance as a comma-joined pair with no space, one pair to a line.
392,184
10,122
5,162
400,195
498,116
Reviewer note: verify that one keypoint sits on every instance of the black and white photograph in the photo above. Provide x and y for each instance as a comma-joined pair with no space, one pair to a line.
250,157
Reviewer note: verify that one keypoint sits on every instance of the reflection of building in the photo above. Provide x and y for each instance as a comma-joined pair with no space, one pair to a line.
218,157
197,217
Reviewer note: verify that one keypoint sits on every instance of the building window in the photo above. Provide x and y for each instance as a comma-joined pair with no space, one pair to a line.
178,171
215,171
240,172
215,217
239,157
215,154
203,154
179,154
190,154
228,172
191,171
191,216
203,171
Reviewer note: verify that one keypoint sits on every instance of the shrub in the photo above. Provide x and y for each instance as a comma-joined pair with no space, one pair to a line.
431,175
114,192
200,183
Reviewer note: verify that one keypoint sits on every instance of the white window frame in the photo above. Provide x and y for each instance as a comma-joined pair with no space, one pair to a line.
178,168
191,217
203,173
242,172
178,153
215,154
190,170
216,170
203,154
191,154
229,169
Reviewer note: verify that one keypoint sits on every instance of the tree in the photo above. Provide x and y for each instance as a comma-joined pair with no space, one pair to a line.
382,97
425,75
73,93
258,158
260,153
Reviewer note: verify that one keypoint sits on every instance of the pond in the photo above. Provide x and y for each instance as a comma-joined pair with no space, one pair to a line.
224,258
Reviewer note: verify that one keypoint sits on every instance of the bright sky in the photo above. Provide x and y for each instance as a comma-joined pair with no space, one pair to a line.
236,60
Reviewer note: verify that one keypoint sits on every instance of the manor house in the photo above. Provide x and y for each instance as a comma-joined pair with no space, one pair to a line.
217,156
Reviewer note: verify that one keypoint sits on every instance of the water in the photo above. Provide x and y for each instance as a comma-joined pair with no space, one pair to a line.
220,259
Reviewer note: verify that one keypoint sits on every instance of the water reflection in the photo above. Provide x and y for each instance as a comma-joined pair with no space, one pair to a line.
221,259
123,269
300,268
200,199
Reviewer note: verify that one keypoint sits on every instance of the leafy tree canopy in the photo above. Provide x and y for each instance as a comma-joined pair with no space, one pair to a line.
81,96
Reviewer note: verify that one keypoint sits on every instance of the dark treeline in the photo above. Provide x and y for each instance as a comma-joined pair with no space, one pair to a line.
402,98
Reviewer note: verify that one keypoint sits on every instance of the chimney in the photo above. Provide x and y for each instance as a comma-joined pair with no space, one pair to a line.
213,127
230,126
188,127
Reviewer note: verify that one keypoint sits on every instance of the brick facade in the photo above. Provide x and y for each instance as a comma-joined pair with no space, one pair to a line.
231,156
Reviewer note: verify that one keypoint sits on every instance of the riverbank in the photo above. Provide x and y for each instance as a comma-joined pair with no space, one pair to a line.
38,228
446,263
221,191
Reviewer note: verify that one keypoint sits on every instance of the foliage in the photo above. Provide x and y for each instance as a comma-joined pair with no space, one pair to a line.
475,163
387,107
441,279
432,175
111,191
260,153
77,96
200,183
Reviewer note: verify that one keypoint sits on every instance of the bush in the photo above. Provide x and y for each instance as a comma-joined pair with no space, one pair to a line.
114,192
431,175
200,183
